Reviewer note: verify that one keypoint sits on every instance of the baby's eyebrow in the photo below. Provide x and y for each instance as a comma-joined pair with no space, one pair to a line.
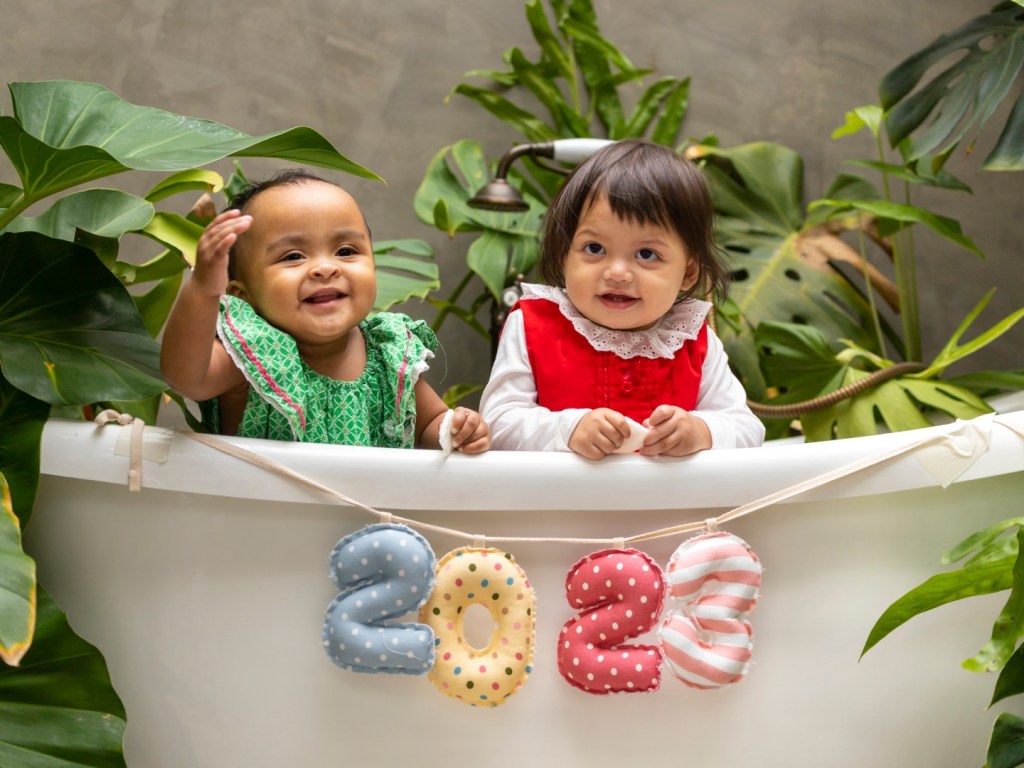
300,238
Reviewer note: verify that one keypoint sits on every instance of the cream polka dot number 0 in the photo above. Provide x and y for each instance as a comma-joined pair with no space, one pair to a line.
491,578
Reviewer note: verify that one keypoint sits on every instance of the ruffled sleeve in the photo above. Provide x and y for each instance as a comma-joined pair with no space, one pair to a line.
268,358
404,346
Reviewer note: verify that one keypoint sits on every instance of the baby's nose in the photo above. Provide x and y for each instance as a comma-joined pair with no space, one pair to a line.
323,267
619,270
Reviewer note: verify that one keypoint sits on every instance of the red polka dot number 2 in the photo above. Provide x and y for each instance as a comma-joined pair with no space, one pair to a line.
620,593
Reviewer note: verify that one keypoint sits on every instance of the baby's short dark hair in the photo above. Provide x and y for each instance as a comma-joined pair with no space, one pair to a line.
244,197
644,183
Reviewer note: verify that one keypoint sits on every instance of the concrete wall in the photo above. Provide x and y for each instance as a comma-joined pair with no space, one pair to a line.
372,76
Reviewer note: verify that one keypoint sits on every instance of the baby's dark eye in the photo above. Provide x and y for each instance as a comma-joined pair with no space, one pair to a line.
347,250
292,256
594,249
646,254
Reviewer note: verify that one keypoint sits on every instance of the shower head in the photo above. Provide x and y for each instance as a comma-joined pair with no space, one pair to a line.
499,195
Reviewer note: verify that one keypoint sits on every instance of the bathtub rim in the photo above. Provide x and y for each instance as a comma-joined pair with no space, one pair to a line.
397,480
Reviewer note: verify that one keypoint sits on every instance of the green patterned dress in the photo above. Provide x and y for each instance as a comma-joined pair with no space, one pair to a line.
290,401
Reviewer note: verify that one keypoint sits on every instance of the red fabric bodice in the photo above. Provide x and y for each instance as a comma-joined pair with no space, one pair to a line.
570,373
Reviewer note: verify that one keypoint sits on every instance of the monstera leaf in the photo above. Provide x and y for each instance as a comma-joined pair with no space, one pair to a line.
800,359
987,55
69,331
780,269
58,708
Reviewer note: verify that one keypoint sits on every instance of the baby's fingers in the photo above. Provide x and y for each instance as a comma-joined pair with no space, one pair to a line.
469,431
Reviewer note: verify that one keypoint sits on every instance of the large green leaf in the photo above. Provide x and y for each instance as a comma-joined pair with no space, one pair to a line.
69,331
21,428
962,96
58,709
907,214
1011,679
17,585
405,268
1006,747
981,578
772,175
102,212
1009,626
64,133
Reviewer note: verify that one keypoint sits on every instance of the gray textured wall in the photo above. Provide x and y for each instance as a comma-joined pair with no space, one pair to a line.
372,76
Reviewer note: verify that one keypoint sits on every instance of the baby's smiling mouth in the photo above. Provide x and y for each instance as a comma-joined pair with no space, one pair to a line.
324,296
617,299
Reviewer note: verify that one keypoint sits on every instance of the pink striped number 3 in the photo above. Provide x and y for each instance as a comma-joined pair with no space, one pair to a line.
620,593
706,638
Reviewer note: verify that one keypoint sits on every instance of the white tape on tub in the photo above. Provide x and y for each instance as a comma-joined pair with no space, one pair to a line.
963,445
156,443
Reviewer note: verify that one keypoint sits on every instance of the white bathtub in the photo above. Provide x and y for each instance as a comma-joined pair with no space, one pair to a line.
206,593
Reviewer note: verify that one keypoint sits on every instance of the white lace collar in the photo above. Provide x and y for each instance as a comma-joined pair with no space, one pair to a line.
663,339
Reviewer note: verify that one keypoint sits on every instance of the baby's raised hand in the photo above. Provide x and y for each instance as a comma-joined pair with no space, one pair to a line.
598,433
674,432
470,433
211,270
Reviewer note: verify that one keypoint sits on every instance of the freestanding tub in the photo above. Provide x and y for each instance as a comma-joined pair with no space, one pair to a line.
206,593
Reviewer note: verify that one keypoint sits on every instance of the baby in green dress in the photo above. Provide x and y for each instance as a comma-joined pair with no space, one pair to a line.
272,335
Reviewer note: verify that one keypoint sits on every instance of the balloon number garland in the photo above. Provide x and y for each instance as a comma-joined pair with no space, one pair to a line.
387,570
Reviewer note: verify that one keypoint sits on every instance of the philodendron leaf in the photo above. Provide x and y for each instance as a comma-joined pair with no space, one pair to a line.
1006,747
908,214
58,708
177,232
64,133
102,212
405,268
490,256
17,585
190,180
1011,679
1009,627
21,429
982,578
69,331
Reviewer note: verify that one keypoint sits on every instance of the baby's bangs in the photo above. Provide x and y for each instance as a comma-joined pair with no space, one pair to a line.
635,196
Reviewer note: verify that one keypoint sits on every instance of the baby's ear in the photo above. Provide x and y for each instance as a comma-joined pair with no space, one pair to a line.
236,288
690,275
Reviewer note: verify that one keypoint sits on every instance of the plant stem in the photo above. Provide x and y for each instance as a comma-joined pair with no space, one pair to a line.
454,297
869,288
14,211
906,282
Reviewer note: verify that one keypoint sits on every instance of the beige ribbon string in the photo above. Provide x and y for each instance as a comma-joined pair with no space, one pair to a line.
135,452
711,524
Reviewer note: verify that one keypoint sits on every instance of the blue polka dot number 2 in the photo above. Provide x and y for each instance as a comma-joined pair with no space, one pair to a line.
383,571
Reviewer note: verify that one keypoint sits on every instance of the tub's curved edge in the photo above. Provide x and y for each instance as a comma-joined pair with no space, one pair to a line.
392,479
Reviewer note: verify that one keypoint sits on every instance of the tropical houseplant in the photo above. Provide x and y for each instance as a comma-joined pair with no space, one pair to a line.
577,79
809,313
824,295
74,338
978,63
